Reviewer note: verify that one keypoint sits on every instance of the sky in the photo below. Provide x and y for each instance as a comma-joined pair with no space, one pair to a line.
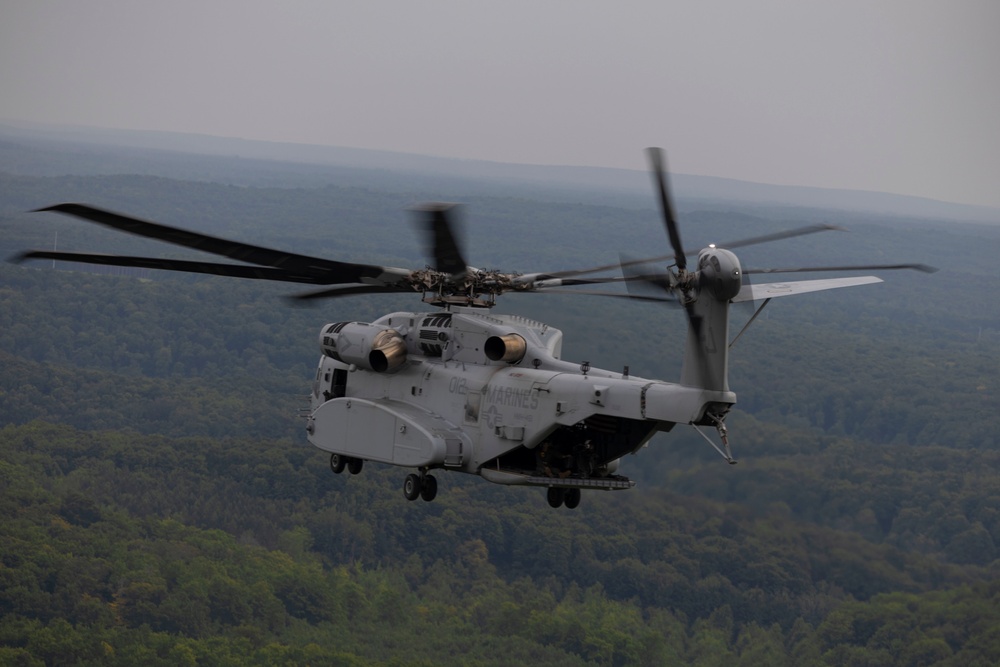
898,96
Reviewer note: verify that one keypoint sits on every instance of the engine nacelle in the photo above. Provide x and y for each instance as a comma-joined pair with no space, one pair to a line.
510,348
369,346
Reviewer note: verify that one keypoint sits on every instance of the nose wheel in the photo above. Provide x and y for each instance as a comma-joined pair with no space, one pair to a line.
420,486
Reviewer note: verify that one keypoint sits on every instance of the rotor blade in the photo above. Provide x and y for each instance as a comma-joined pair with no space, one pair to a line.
666,205
211,268
351,290
330,272
617,295
657,279
566,282
654,278
867,267
439,223
777,236
595,269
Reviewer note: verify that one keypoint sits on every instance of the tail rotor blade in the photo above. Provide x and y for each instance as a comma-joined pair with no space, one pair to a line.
656,161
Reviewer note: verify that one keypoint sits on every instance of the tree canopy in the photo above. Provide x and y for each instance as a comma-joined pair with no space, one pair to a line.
162,506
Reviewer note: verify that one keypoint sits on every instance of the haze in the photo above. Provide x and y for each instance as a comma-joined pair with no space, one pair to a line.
897,96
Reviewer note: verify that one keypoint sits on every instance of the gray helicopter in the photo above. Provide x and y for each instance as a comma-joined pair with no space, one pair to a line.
464,389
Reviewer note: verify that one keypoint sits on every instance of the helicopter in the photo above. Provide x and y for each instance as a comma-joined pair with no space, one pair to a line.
462,388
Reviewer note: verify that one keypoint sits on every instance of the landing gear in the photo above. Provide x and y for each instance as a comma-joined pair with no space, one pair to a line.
430,490
338,462
720,426
557,497
411,486
420,486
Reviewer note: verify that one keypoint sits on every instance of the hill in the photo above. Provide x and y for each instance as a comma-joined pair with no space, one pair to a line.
162,505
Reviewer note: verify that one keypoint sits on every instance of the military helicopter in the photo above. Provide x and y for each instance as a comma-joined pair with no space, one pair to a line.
462,388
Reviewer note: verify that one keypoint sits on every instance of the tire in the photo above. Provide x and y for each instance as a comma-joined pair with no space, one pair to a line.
572,498
429,490
412,486
354,466
337,463
555,496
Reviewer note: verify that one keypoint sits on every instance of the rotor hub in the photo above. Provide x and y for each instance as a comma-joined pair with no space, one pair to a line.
720,273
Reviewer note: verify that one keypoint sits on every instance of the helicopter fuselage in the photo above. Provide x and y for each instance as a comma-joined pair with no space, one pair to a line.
476,392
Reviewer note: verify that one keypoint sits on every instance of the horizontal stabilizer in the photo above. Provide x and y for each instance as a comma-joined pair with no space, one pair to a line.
774,290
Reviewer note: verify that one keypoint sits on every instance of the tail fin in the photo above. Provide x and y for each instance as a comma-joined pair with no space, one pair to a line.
706,354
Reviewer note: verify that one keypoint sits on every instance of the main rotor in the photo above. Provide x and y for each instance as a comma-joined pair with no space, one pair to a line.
449,280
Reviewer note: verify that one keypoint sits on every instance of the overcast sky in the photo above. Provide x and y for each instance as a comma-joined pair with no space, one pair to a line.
895,96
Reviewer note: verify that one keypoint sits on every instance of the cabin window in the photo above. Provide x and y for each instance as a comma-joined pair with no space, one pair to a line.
339,382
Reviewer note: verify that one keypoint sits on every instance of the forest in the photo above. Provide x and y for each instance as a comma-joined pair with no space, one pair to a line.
162,506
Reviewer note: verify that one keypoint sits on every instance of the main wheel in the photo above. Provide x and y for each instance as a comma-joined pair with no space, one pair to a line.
572,498
354,465
337,463
429,489
555,496
412,486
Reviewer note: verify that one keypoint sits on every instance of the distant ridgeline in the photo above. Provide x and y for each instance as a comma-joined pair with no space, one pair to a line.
52,150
